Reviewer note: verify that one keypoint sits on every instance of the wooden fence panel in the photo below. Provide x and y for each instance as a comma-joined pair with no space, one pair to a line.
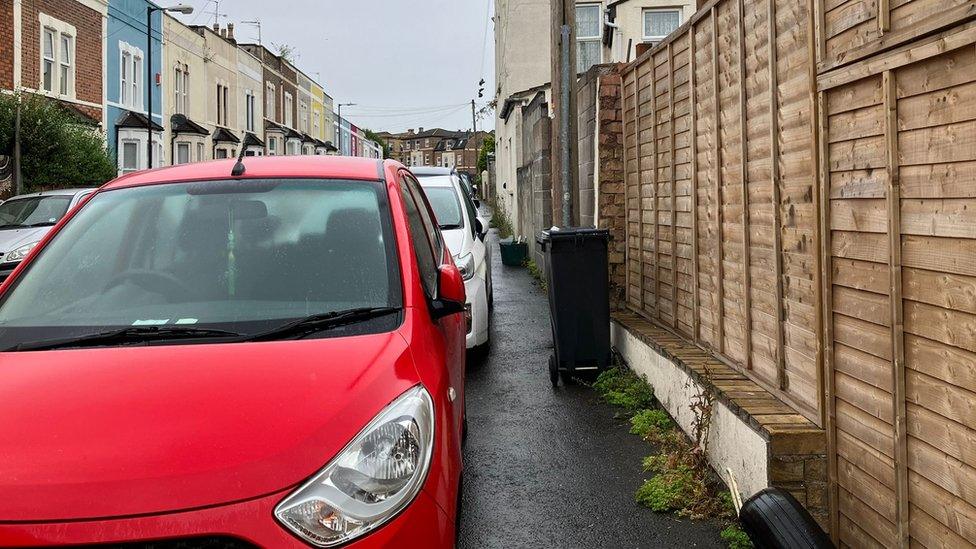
816,229
901,160
728,224
854,29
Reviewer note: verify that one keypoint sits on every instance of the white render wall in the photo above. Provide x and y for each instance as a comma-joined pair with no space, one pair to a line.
731,443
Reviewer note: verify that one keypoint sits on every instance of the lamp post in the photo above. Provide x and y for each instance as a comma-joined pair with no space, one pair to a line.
150,9
339,123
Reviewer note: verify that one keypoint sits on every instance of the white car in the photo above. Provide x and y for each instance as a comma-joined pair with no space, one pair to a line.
464,234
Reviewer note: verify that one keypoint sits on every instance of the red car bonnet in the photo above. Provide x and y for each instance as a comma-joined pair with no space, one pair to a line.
128,431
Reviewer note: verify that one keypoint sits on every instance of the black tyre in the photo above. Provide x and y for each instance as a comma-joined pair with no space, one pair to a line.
774,519
553,371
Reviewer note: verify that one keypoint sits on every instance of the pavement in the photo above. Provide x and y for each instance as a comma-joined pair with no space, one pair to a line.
545,467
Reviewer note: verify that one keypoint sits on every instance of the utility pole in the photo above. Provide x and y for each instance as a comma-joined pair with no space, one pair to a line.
474,120
564,132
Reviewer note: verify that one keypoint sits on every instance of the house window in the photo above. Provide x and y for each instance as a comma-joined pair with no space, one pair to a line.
130,156
269,101
48,59
289,104
249,109
181,86
223,100
200,152
125,77
292,148
303,115
660,23
182,153
131,78
589,49
272,146
65,74
57,56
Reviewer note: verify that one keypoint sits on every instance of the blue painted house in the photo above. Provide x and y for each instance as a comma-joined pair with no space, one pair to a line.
128,83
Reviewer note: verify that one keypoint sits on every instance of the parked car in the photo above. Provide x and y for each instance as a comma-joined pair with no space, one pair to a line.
25,219
465,181
465,234
273,358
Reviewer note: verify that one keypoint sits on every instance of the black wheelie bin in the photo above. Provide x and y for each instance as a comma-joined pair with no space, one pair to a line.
579,301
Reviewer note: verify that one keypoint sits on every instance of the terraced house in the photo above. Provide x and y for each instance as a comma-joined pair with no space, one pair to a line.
55,48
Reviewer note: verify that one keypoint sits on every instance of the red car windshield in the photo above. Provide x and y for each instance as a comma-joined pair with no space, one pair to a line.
229,255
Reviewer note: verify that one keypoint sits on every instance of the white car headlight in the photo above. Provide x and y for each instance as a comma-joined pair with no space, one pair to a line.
465,264
371,480
20,253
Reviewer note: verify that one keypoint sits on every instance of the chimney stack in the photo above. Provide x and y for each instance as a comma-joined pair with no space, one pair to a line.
421,130
223,33
216,28
230,31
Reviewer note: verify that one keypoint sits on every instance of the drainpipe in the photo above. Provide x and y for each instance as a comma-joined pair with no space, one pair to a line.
564,122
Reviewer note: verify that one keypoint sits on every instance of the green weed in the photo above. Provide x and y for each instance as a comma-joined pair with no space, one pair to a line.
624,388
736,537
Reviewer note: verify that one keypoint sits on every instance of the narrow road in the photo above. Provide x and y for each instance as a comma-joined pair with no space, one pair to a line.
544,467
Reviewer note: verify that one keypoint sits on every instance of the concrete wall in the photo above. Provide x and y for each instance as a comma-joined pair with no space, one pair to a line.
731,443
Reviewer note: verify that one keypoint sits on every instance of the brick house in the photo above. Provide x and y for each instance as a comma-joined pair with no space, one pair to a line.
61,55
280,102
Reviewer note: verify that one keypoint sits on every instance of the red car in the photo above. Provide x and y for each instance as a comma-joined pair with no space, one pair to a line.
272,358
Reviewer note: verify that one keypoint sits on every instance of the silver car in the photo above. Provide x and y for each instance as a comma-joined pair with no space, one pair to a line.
25,219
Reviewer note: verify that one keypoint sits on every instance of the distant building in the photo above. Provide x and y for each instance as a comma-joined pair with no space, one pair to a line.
186,137
607,31
126,86
280,105
55,48
436,147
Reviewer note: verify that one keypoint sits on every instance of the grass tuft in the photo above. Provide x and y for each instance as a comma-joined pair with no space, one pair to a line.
623,388
736,537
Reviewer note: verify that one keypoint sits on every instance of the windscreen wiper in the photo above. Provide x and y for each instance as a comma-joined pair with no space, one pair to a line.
321,322
449,227
132,334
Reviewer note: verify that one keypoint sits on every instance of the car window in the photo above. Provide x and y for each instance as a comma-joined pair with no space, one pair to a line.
36,210
447,209
220,254
472,214
427,261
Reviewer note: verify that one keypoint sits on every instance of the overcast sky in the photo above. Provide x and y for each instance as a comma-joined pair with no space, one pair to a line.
405,63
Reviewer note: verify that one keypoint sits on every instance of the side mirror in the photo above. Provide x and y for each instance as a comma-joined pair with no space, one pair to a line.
477,202
479,228
450,294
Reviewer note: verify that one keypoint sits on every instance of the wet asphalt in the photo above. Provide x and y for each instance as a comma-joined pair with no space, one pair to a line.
545,467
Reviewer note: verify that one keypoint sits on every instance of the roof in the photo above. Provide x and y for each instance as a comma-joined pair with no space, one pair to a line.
258,167
130,119
460,144
224,135
251,140
270,126
421,171
182,124
53,192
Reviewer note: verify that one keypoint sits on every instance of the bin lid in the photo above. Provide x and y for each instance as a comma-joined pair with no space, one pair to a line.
557,233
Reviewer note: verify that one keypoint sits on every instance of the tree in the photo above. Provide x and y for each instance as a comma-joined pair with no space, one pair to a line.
56,150
372,136
487,147
286,52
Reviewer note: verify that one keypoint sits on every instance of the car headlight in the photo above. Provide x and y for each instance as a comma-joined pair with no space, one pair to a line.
374,477
20,253
465,264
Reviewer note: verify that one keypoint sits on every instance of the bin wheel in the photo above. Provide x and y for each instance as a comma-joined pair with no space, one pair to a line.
553,371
